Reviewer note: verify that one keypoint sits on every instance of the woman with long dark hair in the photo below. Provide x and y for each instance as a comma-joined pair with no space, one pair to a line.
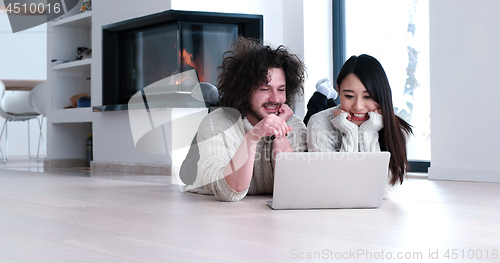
365,120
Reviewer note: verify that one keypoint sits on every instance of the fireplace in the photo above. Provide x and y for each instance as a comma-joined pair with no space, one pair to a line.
144,50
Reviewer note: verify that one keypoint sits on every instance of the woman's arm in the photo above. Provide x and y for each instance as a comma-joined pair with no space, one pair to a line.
368,133
322,136
349,131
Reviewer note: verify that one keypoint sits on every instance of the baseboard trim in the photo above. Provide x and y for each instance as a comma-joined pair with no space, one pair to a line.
470,175
150,169
61,163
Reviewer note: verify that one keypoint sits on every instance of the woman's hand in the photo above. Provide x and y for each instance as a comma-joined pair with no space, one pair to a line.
374,122
338,112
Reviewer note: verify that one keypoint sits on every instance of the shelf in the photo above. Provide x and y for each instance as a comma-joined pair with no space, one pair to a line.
74,65
68,129
80,20
75,115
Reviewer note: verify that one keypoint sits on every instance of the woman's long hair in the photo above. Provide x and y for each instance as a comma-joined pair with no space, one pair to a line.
393,136
246,67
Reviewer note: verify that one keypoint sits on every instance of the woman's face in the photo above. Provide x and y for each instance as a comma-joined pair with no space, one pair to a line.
355,99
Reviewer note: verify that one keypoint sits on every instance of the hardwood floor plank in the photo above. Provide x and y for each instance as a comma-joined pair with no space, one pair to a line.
47,217
28,248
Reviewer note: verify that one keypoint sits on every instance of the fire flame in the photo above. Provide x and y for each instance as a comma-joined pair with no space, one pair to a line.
177,82
187,59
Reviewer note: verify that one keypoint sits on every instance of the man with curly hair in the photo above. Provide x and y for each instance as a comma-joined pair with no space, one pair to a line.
238,143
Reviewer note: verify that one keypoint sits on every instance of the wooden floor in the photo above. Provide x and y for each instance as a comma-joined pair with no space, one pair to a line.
71,216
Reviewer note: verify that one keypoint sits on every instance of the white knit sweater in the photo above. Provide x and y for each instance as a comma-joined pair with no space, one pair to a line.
327,133
219,136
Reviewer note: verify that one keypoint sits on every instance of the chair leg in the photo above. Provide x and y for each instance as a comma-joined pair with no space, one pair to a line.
4,157
40,139
6,128
6,141
29,154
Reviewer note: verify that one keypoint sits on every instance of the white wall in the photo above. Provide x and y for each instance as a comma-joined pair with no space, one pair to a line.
112,137
317,43
293,17
464,90
24,56
307,31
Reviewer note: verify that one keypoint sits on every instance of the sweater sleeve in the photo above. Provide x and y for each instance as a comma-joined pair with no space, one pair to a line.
368,142
297,137
368,133
321,135
218,140
349,132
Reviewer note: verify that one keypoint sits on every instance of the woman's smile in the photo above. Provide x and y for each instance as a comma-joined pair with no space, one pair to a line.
359,116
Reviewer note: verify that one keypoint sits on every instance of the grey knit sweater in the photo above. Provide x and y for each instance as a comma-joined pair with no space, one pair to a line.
219,136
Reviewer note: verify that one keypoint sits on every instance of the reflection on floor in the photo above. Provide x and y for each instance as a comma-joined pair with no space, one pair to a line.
23,163
70,215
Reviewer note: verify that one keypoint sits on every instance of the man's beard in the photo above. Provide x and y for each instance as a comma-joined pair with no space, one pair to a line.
256,112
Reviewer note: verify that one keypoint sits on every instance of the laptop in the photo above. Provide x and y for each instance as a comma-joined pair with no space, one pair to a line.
315,180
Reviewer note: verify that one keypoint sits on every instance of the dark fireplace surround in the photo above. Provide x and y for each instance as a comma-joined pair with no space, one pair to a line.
141,51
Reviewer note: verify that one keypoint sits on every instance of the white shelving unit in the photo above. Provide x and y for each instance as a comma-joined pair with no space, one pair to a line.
78,65
68,127
79,20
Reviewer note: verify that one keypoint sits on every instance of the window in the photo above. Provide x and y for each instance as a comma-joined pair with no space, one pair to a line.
396,32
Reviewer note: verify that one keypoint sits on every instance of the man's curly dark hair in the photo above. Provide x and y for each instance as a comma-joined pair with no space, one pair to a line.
246,67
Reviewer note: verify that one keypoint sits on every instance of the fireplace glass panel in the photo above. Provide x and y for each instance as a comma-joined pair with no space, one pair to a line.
152,54
203,47
147,56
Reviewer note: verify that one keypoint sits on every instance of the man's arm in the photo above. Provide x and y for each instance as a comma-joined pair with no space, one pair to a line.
282,144
219,137
238,173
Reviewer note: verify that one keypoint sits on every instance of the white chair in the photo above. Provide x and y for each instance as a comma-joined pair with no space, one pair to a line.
2,92
39,102
15,106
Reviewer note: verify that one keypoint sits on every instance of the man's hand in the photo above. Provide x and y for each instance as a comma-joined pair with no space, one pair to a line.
285,112
270,125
